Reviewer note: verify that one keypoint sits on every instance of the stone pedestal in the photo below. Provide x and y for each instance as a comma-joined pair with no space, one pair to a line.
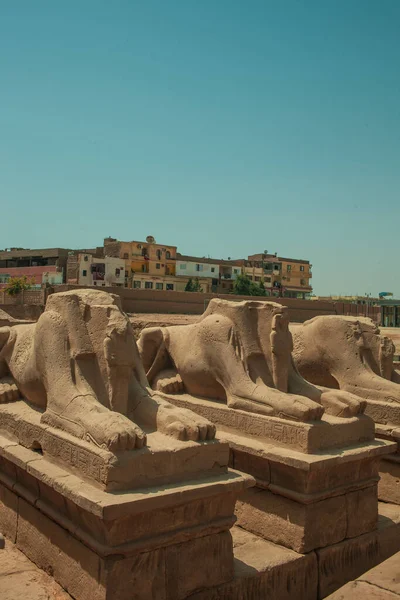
316,482
389,471
164,535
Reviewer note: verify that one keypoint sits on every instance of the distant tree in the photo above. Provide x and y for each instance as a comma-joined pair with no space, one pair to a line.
189,285
196,286
244,286
15,285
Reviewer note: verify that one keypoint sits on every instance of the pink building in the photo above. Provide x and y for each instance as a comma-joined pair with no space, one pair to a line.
48,273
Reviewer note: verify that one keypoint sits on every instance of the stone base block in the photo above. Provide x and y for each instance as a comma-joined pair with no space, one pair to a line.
389,484
349,559
266,570
158,542
330,432
307,501
163,460
304,527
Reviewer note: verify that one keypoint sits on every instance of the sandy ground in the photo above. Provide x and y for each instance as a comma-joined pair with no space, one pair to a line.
394,333
20,579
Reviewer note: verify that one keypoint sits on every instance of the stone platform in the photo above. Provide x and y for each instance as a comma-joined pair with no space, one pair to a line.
308,437
262,569
389,484
316,482
122,544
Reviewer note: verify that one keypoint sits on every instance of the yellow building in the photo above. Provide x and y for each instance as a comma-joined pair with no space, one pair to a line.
288,277
144,258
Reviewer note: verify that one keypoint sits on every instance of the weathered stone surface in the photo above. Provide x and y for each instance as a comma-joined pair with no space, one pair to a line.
139,577
382,582
298,526
199,564
360,590
349,559
93,541
266,570
58,553
362,511
386,575
389,484
8,513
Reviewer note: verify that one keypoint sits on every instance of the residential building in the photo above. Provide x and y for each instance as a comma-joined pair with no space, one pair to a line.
204,269
167,283
39,265
88,269
158,260
288,277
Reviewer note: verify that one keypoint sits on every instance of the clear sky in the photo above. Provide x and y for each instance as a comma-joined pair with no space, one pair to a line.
225,127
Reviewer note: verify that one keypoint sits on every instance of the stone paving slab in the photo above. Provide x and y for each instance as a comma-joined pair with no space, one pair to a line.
380,583
20,579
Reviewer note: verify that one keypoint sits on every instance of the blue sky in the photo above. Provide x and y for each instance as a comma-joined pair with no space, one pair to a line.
224,127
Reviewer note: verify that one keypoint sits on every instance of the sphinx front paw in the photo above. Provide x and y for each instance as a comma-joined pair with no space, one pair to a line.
184,424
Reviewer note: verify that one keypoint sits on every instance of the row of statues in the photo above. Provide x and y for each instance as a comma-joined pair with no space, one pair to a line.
81,367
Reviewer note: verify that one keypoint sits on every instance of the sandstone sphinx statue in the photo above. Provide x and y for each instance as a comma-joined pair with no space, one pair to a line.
239,352
347,353
79,364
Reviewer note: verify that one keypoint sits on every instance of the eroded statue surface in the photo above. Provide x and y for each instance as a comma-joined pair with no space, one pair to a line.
79,364
239,352
350,354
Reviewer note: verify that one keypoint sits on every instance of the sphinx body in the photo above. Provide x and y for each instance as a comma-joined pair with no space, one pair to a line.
79,364
239,352
347,353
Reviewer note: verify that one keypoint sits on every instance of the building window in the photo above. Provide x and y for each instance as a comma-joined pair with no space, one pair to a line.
168,254
212,269
169,286
268,279
199,267
236,271
158,254
158,265
148,285
256,278
86,258
117,272
276,267
126,273
301,267
137,284
126,255
303,281
94,282
182,266
288,268
159,286
84,272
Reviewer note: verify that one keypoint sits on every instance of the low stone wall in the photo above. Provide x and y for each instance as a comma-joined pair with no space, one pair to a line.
185,303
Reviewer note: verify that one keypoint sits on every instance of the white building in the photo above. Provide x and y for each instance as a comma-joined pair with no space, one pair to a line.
101,272
187,266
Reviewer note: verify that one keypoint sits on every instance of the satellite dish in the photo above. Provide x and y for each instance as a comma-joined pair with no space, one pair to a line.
150,239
